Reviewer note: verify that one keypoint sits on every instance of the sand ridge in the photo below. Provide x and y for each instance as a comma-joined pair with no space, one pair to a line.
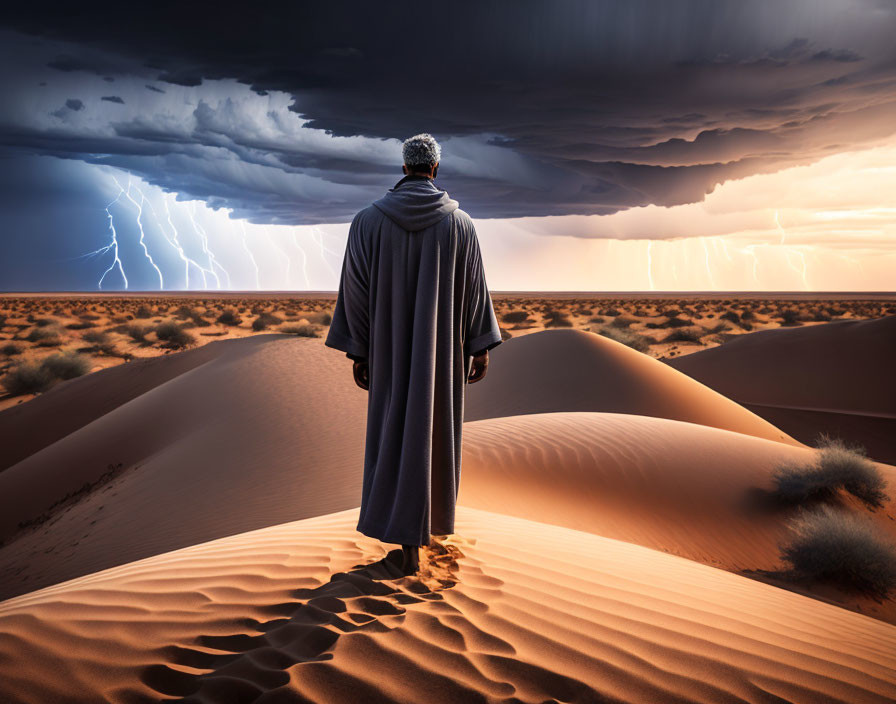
310,610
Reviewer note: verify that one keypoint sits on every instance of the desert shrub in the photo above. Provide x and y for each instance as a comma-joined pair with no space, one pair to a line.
300,330
838,467
730,315
44,337
173,334
264,320
684,335
830,545
230,317
326,318
557,319
790,316
185,311
27,378
515,316
66,365
627,337
717,328
44,322
136,332
11,349
676,322
100,341
83,325
143,311
41,334
623,321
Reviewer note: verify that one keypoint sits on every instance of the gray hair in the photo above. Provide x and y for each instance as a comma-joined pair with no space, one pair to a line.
421,150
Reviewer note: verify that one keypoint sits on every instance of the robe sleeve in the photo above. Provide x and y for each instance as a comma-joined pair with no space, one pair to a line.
350,327
481,331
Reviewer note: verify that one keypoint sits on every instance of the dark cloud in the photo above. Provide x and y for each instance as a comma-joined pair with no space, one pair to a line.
113,99
74,104
543,108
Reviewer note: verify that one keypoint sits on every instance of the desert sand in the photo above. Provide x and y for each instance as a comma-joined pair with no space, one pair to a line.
837,378
183,526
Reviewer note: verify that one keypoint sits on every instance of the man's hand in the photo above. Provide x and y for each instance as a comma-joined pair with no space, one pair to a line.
361,372
479,367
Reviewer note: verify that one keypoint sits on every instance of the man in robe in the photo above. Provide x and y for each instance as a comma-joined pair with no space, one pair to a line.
414,314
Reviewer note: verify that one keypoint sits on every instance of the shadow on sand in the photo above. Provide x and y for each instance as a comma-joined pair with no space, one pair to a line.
242,667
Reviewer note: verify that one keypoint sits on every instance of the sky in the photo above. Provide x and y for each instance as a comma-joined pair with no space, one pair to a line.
598,146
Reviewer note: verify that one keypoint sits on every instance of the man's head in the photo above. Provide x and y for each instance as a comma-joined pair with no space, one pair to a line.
421,155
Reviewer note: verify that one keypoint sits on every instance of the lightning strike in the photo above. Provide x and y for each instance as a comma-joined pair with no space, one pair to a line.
251,256
139,207
180,250
304,259
204,239
650,264
114,244
712,282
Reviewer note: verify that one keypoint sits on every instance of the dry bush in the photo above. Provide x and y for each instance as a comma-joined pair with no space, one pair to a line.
623,321
557,319
516,316
11,349
27,378
173,334
830,545
230,317
33,378
684,335
263,321
627,337
100,341
45,337
838,467
300,330
66,365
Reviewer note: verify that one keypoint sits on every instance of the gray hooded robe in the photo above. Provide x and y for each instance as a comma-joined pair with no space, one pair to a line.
412,301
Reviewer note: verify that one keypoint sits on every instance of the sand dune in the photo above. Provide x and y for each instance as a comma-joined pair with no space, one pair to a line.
252,432
270,429
32,426
835,377
701,493
573,370
507,610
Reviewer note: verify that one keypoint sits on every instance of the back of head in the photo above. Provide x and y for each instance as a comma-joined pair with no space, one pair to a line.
421,152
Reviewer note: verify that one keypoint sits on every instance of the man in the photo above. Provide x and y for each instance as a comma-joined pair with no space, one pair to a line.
415,315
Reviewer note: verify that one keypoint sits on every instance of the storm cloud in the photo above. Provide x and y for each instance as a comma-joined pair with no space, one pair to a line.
293,113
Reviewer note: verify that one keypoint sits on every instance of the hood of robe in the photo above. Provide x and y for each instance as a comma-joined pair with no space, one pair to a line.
415,203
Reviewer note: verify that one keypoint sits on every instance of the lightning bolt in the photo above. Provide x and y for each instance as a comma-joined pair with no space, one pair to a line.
114,244
139,207
751,250
211,257
801,271
283,252
249,252
304,258
180,250
650,264
319,240
712,283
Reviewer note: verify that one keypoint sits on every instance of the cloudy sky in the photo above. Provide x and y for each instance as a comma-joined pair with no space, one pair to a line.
639,145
